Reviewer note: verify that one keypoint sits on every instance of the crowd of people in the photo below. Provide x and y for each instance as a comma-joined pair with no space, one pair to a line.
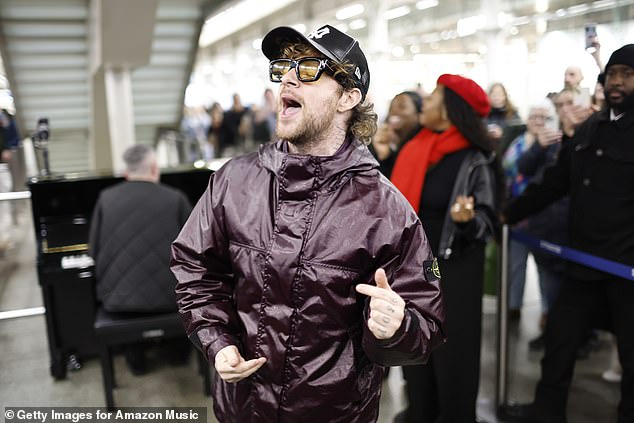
274,263
339,245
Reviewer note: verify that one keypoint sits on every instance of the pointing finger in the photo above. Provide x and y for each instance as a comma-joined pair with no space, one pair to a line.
381,279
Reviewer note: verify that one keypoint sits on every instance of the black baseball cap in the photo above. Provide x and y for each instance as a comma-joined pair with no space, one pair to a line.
328,40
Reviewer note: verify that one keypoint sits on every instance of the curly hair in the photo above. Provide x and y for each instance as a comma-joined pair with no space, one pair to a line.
363,120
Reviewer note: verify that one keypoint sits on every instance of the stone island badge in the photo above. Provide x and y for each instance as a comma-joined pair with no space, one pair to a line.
431,269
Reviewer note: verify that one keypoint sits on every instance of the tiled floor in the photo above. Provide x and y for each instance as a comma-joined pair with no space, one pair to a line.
25,378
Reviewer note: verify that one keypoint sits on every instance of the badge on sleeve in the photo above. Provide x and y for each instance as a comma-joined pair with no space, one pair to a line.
431,269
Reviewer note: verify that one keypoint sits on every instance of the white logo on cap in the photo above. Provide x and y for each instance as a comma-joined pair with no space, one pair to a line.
318,33
357,72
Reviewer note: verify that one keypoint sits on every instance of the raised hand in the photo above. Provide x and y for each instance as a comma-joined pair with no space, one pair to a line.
232,367
387,308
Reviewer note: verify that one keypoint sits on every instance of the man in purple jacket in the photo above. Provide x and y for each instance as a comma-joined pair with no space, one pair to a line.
302,271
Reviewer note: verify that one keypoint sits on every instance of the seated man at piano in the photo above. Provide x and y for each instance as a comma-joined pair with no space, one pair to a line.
133,225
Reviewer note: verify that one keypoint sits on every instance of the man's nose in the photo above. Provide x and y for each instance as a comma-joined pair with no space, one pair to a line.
290,77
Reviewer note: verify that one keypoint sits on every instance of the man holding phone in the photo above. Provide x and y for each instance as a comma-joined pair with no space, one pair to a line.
596,168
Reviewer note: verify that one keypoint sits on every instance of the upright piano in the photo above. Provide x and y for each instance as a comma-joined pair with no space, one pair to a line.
62,206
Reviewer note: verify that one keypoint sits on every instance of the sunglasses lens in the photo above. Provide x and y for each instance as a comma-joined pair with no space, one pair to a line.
308,69
279,68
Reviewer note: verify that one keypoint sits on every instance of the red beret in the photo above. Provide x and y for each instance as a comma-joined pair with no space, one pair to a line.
470,92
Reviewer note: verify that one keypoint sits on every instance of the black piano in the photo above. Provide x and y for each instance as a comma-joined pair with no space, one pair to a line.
62,206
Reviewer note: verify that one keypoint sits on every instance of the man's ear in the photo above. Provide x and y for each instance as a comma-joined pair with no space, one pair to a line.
349,99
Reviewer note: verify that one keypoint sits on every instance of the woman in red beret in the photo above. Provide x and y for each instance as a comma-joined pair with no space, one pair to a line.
448,174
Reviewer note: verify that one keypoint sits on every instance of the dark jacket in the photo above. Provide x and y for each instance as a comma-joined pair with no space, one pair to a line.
269,260
596,167
476,178
550,224
132,227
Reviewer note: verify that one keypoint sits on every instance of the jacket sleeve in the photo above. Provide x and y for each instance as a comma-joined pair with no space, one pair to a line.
554,184
204,290
533,160
422,328
482,186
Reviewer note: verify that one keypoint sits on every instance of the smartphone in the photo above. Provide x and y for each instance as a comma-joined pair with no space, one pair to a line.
591,37
552,123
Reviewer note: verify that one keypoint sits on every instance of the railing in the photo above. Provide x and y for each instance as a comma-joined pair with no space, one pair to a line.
17,195
565,253
12,314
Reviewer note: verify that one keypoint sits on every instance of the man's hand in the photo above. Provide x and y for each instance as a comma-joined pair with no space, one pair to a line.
387,308
232,368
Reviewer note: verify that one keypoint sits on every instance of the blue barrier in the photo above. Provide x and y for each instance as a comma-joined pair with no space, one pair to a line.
604,265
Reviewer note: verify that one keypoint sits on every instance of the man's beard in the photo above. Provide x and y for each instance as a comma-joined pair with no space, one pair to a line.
624,106
311,128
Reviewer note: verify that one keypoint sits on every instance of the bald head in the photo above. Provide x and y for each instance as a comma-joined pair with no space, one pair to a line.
572,77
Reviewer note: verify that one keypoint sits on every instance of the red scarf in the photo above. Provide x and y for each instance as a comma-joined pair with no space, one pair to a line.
418,155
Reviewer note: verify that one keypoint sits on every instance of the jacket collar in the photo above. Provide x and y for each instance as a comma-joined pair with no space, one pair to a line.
300,175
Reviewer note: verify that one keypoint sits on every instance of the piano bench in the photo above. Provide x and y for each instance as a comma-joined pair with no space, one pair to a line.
112,329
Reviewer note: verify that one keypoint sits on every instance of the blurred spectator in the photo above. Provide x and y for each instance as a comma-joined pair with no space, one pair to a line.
551,224
132,227
9,141
447,173
598,96
503,122
264,118
216,115
400,126
596,169
194,126
570,114
233,129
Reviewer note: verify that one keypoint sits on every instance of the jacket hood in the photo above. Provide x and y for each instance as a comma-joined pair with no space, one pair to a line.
297,172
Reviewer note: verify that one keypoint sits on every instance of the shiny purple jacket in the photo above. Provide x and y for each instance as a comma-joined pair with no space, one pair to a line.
269,260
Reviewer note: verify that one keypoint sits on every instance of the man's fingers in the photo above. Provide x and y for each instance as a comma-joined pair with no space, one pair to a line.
381,279
230,355
241,371
245,368
373,291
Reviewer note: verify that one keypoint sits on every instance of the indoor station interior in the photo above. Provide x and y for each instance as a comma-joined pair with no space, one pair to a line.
85,79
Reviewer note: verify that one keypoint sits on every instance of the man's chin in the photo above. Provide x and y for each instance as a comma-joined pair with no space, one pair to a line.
625,105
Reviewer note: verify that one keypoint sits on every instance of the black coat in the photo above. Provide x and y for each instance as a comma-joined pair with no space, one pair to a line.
596,168
132,228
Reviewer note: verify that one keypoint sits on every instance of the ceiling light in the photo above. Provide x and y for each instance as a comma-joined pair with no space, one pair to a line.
541,6
503,19
426,4
349,11
521,20
397,12
299,28
603,4
468,26
357,24
236,17
342,26
578,9
398,51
